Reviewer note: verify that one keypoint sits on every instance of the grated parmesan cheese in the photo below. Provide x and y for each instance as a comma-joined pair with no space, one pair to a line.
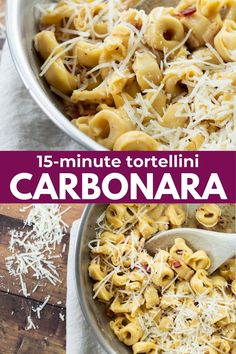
206,114
40,307
30,324
62,317
34,250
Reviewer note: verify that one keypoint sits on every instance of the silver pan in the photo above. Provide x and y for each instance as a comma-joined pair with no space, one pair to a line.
22,25
94,311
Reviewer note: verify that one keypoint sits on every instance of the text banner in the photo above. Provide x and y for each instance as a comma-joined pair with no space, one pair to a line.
118,177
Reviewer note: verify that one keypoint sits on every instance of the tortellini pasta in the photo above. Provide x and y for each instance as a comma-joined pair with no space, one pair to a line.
198,24
146,70
208,215
108,126
163,29
176,215
225,41
87,54
60,78
200,282
210,8
166,302
195,142
174,117
134,140
46,43
168,72
57,75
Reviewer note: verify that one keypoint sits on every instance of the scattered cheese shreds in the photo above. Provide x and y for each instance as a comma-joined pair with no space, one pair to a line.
34,250
62,317
39,308
30,324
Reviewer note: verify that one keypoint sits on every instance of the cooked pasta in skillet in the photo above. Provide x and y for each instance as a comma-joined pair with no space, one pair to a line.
136,81
165,303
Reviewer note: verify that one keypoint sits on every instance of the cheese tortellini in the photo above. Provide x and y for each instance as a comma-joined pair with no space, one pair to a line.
164,30
167,302
208,215
225,41
169,76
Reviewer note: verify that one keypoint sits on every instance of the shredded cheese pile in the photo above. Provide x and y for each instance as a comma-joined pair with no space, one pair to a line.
34,250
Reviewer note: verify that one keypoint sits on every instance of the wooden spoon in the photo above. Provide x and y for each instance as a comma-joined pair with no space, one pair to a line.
219,246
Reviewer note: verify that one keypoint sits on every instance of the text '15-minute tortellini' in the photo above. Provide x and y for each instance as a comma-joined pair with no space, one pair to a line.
167,303
136,81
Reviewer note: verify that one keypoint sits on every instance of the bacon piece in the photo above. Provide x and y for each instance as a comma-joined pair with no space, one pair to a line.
71,109
176,264
146,267
188,12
